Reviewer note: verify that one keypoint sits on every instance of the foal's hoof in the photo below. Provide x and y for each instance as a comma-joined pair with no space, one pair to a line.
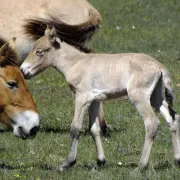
66,165
101,163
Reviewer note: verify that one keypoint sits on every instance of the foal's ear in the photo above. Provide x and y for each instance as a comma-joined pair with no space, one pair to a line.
47,31
52,35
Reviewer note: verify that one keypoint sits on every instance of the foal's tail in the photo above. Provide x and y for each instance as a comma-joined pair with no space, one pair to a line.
169,89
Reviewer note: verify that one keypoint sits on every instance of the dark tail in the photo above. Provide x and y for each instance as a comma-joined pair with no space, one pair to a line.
169,89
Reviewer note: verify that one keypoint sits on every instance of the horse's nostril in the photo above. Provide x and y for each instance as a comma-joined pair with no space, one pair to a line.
22,133
34,130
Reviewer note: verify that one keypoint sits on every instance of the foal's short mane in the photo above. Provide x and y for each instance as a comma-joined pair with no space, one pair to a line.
9,57
75,35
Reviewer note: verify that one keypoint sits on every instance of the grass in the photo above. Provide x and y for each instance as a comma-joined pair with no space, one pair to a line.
150,27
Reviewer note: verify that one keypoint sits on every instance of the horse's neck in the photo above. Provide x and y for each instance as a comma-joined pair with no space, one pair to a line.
67,57
23,46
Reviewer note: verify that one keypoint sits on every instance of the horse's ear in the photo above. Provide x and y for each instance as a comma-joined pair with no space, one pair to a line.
7,51
12,43
4,49
3,53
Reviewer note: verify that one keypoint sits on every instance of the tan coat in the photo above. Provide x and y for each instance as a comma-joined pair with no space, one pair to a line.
98,77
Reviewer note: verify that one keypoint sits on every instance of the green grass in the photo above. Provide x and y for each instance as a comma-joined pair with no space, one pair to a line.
149,26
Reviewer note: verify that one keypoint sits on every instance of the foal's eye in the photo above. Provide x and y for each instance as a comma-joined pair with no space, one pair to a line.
39,52
12,84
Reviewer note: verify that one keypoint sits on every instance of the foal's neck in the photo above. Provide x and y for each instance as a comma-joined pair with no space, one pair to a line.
67,57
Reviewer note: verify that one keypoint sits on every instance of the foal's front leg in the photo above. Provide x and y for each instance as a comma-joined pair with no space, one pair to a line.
81,105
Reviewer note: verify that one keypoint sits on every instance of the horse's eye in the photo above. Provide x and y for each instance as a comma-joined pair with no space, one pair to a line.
12,84
39,52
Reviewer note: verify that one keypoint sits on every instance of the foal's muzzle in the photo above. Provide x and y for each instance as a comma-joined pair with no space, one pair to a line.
25,69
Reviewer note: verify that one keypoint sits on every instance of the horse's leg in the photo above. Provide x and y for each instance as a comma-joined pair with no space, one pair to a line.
94,126
81,106
171,117
102,121
142,102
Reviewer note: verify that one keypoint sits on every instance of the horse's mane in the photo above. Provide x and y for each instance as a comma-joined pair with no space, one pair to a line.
75,35
10,56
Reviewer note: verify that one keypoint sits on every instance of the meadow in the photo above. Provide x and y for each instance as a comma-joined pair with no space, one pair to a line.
140,26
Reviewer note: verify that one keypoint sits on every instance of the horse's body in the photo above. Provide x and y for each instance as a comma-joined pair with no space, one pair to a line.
78,17
17,108
97,77
14,13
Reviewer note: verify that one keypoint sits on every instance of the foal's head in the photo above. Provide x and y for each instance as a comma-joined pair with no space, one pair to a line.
42,54
17,108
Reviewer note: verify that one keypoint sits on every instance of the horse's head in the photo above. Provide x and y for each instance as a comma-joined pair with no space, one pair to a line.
17,108
42,54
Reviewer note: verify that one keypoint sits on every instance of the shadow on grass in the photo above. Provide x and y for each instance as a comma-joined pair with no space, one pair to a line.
160,166
6,167
45,167
163,165
55,130
94,166
2,149
85,131
85,166
132,165
61,130
5,130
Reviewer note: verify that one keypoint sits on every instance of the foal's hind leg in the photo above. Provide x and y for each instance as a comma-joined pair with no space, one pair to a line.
171,117
94,126
102,121
141,100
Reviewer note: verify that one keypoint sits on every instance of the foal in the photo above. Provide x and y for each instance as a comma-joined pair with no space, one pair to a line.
97,77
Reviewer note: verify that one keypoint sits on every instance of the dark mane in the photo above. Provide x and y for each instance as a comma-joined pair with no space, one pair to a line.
9,57
76,35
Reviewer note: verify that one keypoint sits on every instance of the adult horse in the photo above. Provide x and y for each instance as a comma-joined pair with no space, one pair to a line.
78,20
17,108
